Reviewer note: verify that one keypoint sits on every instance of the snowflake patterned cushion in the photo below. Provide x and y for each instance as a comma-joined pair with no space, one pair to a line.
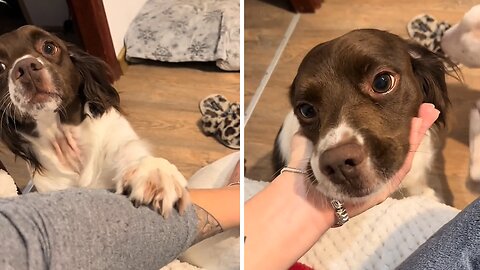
184,31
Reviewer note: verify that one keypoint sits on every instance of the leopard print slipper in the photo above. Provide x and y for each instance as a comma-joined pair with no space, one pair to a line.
427,31
221,118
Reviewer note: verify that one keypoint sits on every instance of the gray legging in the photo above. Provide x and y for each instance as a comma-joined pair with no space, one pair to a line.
96,229
89,229
455,246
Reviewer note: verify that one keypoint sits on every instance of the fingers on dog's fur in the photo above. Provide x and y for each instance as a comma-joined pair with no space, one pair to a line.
157,183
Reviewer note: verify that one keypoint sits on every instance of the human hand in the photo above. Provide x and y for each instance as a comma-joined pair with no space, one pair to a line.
66,148
427,115
301,150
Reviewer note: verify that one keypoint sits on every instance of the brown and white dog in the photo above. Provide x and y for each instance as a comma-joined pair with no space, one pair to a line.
61,114
354,98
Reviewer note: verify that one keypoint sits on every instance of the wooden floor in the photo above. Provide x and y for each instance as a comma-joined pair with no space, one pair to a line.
263,34
333,19
161,102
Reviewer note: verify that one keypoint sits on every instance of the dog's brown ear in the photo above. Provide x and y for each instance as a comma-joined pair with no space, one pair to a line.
430,70
96,81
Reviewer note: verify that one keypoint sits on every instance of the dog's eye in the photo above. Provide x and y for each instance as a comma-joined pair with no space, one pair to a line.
3,67
383,83
49,48
307,110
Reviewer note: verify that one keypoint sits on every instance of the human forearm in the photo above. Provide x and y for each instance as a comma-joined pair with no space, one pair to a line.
221,203
218,209
288,226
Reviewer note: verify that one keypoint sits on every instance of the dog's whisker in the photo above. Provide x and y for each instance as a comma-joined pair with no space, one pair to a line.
312,179
7,94
3,103
63,110
276,173
4,100
311,194
8,117
13,115
1,119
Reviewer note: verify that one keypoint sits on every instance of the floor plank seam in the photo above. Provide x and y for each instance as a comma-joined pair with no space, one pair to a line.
271,67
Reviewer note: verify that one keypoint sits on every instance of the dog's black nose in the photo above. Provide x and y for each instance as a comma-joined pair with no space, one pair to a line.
25,68
341,163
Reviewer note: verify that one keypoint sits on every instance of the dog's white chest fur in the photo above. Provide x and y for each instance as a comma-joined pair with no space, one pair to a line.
87,155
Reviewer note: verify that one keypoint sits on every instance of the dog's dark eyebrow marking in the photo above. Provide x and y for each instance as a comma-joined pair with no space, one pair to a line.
310,93
36,34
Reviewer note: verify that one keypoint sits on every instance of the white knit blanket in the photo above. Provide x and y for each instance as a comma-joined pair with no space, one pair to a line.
380,238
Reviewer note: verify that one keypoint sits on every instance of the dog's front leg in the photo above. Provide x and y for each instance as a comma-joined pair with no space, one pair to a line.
120,154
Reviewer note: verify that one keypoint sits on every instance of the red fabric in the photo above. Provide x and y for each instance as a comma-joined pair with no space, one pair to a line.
300,266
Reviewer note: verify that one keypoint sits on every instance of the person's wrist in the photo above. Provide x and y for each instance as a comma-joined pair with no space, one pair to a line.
316,206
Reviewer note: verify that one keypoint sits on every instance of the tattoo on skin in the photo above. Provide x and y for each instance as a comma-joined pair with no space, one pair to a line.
207,225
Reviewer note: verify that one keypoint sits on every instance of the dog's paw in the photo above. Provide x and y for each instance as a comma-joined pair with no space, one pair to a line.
157,183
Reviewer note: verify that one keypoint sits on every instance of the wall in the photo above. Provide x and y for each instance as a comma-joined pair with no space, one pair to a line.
119,15
47,13
52,13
